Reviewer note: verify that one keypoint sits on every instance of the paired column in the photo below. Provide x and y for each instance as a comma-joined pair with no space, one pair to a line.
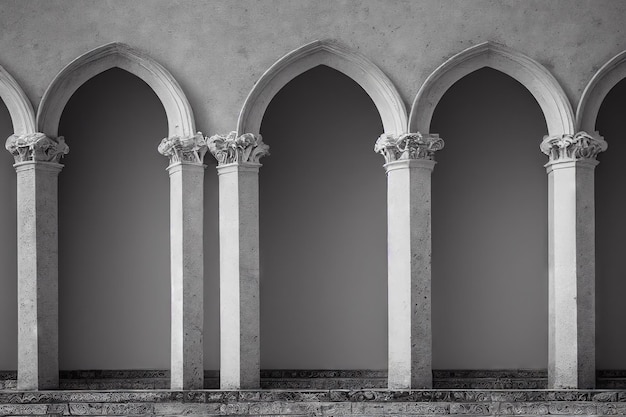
37,165
186,172
409,165
238,170
571,240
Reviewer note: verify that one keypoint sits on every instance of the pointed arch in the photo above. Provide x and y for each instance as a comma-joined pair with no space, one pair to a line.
364,72
20,108
180,118
532,75
596,90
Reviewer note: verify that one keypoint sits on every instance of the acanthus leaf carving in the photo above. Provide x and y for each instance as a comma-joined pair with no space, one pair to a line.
36,147
184,149
230,148
408,146
581,145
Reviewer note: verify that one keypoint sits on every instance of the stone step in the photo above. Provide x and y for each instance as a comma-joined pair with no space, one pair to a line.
313,403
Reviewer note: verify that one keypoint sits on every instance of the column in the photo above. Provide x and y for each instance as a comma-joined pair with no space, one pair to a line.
571,258
238,170
37,166
186,172
409,165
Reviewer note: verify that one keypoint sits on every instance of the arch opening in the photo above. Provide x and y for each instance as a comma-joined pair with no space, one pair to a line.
489,222
114,228
540,83
610,175
323,228
179,114
332,54
592,99
8,255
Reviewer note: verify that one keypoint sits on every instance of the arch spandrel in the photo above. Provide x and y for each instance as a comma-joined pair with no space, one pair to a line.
596,90
20,108
360,69
532,75
116,55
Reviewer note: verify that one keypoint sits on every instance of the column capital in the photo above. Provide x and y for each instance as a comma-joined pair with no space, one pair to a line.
36,147
581,146
408,146
230,148
189,149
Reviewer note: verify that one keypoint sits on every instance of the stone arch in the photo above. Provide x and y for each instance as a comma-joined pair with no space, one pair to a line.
20,108
180,118
356,66
599,86
535,77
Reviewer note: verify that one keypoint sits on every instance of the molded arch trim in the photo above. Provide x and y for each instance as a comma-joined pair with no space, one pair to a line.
180,118
595,92
20,108
365,73
535,77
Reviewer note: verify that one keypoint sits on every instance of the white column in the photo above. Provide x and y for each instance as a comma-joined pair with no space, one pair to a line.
37,165
571,240
409,167
186,172
238,168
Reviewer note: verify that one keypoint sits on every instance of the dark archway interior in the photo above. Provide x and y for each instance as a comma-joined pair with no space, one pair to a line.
8,254
114,228
489,214
323,228
610,177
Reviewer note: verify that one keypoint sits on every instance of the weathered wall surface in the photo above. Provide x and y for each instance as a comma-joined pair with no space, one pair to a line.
217,50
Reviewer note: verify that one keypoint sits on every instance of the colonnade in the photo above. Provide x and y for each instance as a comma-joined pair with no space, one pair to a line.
409,162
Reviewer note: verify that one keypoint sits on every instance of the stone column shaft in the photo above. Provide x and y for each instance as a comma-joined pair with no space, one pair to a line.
239,276
187,274
238,170
409,251
37,166
409,167
38,271
186,173
571,242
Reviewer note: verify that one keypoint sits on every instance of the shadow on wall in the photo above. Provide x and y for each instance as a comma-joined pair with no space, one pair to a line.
323,228
490,266
611,233
114,255
8,254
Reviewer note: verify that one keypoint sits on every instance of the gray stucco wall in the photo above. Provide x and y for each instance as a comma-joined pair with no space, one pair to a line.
217,50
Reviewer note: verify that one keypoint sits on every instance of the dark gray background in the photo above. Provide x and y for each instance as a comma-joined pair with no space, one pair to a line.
323,230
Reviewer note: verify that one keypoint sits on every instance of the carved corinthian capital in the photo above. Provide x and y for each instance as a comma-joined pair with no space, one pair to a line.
582,145
408,146
36,147
228,149
188,149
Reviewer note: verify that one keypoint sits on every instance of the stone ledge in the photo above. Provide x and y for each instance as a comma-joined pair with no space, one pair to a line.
313,403
317,379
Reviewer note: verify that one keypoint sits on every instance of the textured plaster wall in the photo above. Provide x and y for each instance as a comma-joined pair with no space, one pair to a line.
217,50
